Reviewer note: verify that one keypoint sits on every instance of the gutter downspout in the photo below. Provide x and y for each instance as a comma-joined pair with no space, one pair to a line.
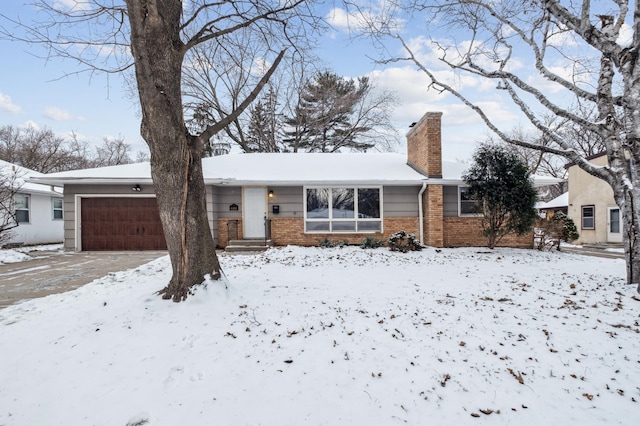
420,212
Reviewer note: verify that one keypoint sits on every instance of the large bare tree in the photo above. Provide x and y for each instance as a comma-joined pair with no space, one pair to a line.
10,183
580,59
45,152
156,38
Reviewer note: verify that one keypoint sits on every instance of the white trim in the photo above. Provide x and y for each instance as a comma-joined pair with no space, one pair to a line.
460,214
78,207
53,208
420,212
355,219
614,237
28,209
592,217
245,221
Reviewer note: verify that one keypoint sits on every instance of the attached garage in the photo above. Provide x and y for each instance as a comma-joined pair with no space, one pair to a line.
128,223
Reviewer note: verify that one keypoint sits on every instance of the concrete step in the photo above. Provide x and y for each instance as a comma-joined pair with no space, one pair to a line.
248,245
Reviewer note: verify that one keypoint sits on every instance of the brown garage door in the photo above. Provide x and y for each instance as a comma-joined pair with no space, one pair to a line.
121,224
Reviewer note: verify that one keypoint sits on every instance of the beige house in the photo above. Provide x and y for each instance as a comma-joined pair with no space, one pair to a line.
281,199
592,207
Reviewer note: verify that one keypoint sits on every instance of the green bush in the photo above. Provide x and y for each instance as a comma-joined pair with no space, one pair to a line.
403,242
326,243
371,243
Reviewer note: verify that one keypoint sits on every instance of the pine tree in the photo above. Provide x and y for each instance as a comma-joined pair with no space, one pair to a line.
500,183
326,118
263,133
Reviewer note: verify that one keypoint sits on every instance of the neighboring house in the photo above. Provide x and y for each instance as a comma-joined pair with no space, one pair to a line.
592,207
39,208
298,199
558,204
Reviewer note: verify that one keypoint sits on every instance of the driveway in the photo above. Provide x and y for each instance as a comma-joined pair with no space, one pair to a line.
56,272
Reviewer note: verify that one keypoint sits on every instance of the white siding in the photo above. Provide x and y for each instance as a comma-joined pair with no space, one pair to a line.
42,227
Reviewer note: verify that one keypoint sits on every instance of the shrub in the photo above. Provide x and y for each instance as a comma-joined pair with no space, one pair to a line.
371,243
551,232
326,243
403,242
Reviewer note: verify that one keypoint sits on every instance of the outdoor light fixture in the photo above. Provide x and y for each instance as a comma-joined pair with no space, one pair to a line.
271,193
136,188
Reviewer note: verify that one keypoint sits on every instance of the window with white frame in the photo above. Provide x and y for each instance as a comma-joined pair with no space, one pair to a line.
343,209
22,210
467,205
57,208
588,217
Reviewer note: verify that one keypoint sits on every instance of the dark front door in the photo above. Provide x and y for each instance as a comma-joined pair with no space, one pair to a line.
121,224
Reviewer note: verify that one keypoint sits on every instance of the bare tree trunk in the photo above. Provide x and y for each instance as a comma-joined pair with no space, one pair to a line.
628,199
176,156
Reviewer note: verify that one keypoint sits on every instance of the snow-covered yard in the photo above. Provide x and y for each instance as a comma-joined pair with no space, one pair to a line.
20,254
333,337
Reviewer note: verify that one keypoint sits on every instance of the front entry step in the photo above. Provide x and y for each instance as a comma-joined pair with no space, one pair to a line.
247,245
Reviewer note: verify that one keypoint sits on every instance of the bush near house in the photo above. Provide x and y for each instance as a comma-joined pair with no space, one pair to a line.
371,243
403,242
550,232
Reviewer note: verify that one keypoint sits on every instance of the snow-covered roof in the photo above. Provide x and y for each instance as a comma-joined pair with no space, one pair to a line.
23,179
560,201
282,169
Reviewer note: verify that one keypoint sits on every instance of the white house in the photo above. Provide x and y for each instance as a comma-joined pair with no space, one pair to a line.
39,208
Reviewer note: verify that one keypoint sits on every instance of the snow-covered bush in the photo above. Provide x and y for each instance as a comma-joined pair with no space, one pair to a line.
403,242
326,243
371,243
550,232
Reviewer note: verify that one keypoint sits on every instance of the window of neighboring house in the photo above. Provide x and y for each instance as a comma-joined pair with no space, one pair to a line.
343,209
22,208
57,208
588,217
466,205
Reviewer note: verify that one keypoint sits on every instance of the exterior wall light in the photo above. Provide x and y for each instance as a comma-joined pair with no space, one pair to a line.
271,193
136,188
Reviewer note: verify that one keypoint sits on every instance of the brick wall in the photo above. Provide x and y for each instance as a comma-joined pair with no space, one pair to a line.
290,231
433,218
223,231
424,145
454,232
467,232
285,231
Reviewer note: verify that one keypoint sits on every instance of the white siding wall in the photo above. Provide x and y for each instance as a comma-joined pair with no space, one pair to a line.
42,228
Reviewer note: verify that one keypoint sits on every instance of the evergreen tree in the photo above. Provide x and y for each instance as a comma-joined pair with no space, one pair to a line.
263,133
500,183
328,117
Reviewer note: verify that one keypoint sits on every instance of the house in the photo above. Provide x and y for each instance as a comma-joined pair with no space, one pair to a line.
592,207
299,199
38,208
551,207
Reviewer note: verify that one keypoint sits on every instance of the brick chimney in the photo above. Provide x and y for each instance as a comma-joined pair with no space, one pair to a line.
424,145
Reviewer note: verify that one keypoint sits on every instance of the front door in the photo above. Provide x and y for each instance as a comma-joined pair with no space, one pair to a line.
254,202
614,226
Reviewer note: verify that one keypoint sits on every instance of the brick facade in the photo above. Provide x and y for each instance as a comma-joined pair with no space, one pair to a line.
424,145
424,153
223,231
433,216
467,232
290,231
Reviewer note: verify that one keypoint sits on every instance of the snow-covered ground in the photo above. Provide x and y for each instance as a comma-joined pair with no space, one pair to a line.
343,336
20,254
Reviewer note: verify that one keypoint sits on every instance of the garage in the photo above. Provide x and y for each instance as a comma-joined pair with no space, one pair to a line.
111,223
